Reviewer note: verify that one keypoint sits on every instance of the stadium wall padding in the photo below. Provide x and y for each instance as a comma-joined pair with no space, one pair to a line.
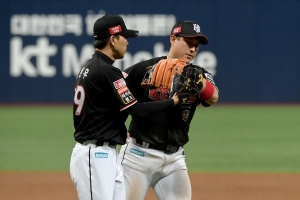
253,51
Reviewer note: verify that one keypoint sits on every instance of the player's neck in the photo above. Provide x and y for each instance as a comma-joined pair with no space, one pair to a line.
108,52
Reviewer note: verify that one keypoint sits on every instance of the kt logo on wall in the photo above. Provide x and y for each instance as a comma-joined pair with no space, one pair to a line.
39,59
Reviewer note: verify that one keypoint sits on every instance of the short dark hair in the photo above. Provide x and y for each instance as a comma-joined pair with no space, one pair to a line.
100,44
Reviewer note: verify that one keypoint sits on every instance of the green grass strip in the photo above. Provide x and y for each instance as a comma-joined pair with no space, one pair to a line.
232,138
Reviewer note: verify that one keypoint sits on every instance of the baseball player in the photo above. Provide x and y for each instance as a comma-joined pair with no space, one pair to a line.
102,103
154,156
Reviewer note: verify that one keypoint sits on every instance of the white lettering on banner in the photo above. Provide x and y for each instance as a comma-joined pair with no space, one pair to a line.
71,62
20,58
162,24
40,25
56,25
208,60
90,20
73,24
141,21
205,59
61,24
128,60
148,25
19,61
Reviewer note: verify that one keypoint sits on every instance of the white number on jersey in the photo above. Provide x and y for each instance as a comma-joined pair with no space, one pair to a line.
79,99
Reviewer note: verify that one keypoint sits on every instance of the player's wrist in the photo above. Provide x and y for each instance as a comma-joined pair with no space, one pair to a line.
175,99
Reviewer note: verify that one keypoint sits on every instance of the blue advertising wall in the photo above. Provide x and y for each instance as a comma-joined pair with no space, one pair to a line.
253,49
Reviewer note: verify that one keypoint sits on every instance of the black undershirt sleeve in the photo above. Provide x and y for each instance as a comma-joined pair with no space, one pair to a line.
145,109
148,108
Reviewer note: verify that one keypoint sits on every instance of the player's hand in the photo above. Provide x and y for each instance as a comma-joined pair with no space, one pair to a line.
128,138
176,99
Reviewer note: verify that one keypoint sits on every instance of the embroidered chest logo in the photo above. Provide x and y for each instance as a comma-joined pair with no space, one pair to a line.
159,94
185,115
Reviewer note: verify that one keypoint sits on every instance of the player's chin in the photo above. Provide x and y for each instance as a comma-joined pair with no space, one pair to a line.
188,59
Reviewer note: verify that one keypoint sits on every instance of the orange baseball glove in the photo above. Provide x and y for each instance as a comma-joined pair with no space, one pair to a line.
161,74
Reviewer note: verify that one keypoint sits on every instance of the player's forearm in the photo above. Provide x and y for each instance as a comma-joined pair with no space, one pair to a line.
210,93
214,99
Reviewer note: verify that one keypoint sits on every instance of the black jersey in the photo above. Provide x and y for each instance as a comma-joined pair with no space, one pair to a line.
100,94
163,128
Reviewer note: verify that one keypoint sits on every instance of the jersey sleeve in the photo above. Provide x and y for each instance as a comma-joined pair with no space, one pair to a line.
120,91
134,76
208,77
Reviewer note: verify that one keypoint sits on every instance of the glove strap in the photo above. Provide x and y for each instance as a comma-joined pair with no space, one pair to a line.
207,92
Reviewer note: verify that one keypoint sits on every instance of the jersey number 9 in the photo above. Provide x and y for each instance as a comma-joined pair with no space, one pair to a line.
79,99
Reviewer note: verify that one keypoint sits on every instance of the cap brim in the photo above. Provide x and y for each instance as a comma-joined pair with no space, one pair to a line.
130,33
202,38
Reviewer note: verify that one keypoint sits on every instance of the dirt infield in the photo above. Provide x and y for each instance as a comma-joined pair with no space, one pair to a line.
58,186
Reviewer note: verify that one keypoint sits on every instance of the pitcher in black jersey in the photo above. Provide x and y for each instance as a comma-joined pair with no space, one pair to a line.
102,103
154,157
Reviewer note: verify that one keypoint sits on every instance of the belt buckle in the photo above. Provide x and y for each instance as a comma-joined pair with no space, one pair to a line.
171,149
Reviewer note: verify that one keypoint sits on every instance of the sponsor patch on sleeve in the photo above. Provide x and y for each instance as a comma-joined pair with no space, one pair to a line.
125,95
119,83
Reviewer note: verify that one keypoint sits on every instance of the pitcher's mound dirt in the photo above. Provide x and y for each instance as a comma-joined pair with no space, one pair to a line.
58,186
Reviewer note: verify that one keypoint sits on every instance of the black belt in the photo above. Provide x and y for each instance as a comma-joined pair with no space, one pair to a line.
169,149
100,143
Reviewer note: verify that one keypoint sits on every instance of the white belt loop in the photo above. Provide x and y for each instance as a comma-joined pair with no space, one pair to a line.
145,145
105,144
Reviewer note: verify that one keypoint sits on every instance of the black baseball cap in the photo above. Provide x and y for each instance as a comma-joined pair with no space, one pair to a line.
108,25
189,29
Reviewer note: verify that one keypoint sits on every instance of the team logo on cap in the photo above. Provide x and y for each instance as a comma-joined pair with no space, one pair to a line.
115,29
196,28
176,30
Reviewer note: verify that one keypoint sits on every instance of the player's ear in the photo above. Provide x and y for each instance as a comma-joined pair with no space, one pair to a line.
172,39
112,40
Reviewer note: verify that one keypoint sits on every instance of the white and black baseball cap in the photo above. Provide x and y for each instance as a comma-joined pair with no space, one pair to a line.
108,25
189,29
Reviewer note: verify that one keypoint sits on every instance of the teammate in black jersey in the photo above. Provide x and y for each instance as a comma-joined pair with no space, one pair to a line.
102,103
154,157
